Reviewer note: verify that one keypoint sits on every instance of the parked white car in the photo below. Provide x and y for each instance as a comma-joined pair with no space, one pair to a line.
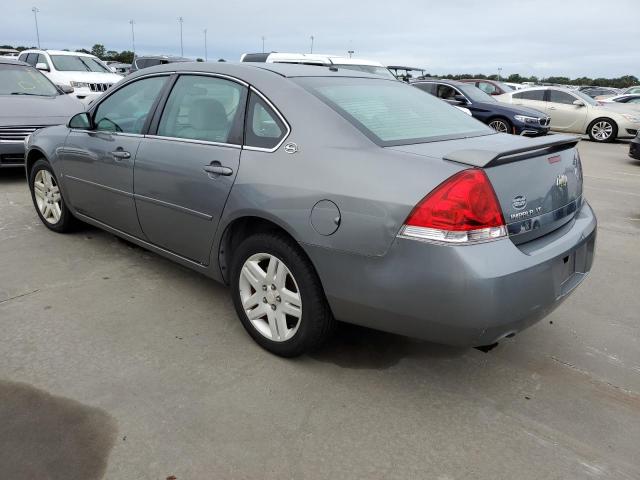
86,73
572,111
357,64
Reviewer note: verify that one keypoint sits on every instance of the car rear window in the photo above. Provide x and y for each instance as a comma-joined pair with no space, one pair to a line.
391,112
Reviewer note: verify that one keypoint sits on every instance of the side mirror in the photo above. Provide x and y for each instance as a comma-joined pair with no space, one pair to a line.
113,69
81,121
578,103
42,66
65,88
460,99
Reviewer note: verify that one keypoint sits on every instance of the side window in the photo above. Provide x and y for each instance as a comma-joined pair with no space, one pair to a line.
32,58
427,87
23,57
487,88
556,96
203,108
127,109
447,92
42,59
264,129
530,95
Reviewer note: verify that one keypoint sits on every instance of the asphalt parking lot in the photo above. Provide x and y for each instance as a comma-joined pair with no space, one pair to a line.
132,367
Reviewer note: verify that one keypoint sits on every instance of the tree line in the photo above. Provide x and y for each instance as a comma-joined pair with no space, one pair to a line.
126,56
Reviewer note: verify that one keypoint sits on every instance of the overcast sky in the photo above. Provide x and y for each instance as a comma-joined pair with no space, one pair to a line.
530,37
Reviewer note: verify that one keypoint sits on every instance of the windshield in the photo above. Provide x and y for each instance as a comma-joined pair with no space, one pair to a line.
77,63
474,94
393,113
382,71
584,97
20,80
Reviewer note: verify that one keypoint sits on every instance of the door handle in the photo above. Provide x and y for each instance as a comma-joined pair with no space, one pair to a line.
552,108
120,154
216,169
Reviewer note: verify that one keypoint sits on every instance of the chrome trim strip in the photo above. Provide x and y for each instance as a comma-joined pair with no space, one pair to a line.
284,121
556,218
105,132
212,74
189,140
135,239
99,185
180,208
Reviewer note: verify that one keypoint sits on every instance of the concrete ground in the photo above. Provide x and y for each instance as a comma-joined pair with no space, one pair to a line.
118,364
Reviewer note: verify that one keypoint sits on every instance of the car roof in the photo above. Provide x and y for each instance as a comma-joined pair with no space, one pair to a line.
308,57
249,69
58,52
11,61
165,57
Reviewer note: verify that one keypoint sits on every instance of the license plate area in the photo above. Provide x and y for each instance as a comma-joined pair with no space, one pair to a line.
567,267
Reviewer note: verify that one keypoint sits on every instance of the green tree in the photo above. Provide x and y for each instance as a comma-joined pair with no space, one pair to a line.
98,50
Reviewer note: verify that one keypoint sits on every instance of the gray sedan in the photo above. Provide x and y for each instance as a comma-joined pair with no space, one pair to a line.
28,101
322,194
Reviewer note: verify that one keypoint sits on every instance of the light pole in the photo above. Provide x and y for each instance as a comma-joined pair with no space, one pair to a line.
35,11
350,52
311,43
133,38
205,44
499,71
180,20
263,44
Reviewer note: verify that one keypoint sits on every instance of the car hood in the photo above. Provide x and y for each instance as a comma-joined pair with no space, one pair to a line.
503,108
28,110
88,77
632,108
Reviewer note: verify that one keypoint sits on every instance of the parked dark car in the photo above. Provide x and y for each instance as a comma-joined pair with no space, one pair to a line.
634,147
154,60
490,87
28,101
502,118
319,194
594,92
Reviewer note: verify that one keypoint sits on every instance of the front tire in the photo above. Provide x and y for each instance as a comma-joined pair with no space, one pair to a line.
47,198
602,130
278,296
501,125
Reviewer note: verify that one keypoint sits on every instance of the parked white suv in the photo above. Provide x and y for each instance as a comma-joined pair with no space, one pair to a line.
357,64
87,74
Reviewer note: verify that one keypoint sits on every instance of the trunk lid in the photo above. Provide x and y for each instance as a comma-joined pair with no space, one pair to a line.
538,181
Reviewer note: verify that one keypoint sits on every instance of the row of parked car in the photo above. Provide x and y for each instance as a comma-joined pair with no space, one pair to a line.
38,87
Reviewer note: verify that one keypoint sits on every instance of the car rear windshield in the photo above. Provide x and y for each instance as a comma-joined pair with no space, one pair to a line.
392,112
77,63
21,80
382,71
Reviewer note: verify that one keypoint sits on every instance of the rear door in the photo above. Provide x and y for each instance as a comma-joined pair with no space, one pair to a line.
565,116
98,163
187,165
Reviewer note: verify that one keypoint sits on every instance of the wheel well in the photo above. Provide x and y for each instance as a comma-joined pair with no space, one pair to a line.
32,157
236,232
613,122
499,117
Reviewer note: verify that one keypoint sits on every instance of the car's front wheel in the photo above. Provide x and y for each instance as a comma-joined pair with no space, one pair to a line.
500,125
47,198
603,130
278,296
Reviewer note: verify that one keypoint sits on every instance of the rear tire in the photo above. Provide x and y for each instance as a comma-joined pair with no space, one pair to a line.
602,130
278,296
501,125
48,200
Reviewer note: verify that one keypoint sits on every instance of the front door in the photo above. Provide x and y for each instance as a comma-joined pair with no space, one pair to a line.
98,163
565,116
185,171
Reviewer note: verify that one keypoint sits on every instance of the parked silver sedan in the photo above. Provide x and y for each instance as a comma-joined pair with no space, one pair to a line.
322,194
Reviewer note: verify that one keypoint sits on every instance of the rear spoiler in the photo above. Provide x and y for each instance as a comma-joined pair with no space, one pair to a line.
537,147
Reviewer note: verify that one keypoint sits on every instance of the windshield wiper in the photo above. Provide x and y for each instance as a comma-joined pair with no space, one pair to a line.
26,93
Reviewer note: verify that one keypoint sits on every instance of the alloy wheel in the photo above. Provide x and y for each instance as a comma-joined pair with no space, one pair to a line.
499,126
47,195
602,130
270,297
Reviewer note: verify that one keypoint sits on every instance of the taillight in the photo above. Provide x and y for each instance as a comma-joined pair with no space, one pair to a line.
462,209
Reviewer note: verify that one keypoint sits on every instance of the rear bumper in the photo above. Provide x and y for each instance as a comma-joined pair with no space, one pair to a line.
459,295
11,154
